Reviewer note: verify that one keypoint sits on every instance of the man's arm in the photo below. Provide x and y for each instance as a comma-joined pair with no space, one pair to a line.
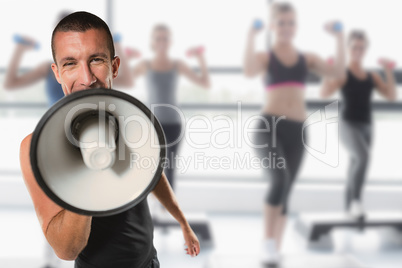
166,196
65,231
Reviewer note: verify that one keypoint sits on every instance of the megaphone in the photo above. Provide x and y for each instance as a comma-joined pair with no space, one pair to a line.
98,152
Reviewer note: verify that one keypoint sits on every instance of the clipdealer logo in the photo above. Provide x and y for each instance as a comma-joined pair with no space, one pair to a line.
324,148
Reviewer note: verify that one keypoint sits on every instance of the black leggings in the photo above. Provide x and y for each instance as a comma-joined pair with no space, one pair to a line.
281,156
172,134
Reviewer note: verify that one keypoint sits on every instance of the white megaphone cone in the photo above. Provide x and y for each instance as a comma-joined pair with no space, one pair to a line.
81,152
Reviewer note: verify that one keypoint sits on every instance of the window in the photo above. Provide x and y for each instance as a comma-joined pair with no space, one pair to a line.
37,19
221,26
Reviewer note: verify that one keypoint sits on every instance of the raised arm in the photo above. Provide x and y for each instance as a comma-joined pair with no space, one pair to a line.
318,65
124,79
13,80
65,231
330,86
203,78
254,63
165,195
139,70
386,88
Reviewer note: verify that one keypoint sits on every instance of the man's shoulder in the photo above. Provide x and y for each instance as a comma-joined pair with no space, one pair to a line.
25,144
24,154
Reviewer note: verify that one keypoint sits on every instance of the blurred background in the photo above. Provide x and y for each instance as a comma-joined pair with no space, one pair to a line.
230,199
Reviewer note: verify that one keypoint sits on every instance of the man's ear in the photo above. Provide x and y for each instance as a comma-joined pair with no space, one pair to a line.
115,66
56,72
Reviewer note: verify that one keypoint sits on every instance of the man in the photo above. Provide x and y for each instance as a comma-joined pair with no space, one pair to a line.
14,80
83,55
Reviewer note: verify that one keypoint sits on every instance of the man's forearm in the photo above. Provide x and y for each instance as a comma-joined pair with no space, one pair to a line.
68,234
166,196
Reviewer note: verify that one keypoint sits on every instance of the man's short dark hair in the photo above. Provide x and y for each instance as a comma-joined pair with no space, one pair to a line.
82,21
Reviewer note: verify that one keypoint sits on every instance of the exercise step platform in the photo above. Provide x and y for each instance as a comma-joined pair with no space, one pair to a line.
313,226
198,222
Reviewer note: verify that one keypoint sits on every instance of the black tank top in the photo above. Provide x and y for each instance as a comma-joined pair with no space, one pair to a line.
356,98
280,75
122,240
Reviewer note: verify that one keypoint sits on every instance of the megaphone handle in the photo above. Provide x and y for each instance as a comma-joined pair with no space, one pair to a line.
97,145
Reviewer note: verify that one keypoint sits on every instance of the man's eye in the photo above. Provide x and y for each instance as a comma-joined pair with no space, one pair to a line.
97,60
68,64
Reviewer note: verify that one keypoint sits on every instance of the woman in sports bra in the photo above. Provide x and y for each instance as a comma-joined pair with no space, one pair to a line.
281,124
356,123
162,74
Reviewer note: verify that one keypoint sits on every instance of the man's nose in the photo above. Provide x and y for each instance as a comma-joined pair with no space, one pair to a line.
87,78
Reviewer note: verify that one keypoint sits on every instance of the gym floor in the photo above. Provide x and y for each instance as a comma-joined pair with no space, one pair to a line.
350,249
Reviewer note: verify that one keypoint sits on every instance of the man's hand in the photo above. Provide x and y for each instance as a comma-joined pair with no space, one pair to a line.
191,242
165,195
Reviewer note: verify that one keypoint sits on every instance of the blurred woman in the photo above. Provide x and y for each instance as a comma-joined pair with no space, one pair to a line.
162,73
14,80
286,70
356,124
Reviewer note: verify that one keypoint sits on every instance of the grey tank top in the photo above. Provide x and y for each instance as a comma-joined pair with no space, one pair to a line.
161,87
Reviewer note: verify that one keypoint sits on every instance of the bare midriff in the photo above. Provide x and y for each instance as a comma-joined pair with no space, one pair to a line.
286,101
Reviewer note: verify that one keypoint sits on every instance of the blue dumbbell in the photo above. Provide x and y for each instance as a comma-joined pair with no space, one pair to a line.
338,27
258,24
21,40
117,37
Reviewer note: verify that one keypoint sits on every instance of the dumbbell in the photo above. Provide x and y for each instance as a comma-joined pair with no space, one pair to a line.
258,24
195,51
21,40
387,63
337,26
132,53
117,37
